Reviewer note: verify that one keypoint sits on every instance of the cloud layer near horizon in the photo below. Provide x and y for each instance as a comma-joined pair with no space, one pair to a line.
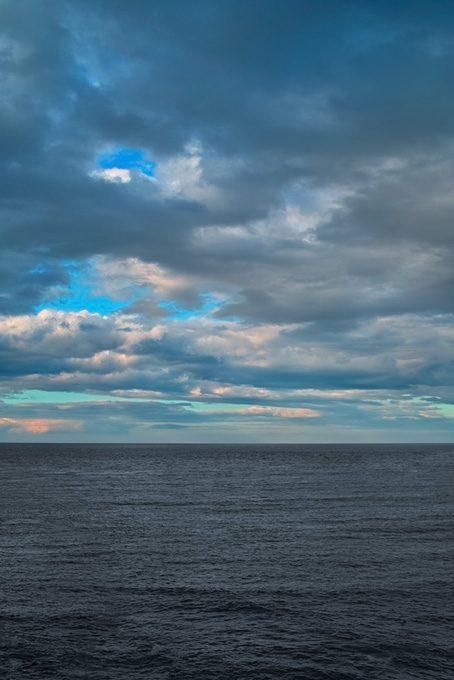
227,220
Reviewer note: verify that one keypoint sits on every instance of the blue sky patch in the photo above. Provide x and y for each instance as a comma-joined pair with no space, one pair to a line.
127,159
176,312
76,301
79,296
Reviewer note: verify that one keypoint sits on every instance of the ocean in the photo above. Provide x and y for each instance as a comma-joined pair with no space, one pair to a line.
232,562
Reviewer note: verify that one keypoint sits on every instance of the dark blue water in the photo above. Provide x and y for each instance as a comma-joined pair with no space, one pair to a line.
226,562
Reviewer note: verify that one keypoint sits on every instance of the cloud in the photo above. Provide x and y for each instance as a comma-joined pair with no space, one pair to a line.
121,175
40,425
279,412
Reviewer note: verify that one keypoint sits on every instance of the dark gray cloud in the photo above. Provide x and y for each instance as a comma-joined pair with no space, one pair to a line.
286,90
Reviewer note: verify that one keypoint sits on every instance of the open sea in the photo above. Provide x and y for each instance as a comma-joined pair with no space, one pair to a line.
230,562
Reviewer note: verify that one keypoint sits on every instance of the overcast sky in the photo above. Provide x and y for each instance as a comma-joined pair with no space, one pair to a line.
227,220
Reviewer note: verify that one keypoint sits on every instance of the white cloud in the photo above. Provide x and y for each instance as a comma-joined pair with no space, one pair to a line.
279,412
119,175
183,176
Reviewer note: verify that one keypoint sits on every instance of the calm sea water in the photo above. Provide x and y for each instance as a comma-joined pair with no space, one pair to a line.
226,562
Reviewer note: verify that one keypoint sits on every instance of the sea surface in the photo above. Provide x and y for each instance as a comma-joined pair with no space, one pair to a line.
226,562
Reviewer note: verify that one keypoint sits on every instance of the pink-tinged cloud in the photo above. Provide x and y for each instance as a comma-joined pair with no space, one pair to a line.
39,425
280,412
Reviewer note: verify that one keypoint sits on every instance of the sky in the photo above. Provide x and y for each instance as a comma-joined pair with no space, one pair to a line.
227,221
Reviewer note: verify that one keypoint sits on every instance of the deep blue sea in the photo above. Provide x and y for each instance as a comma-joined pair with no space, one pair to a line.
226,562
